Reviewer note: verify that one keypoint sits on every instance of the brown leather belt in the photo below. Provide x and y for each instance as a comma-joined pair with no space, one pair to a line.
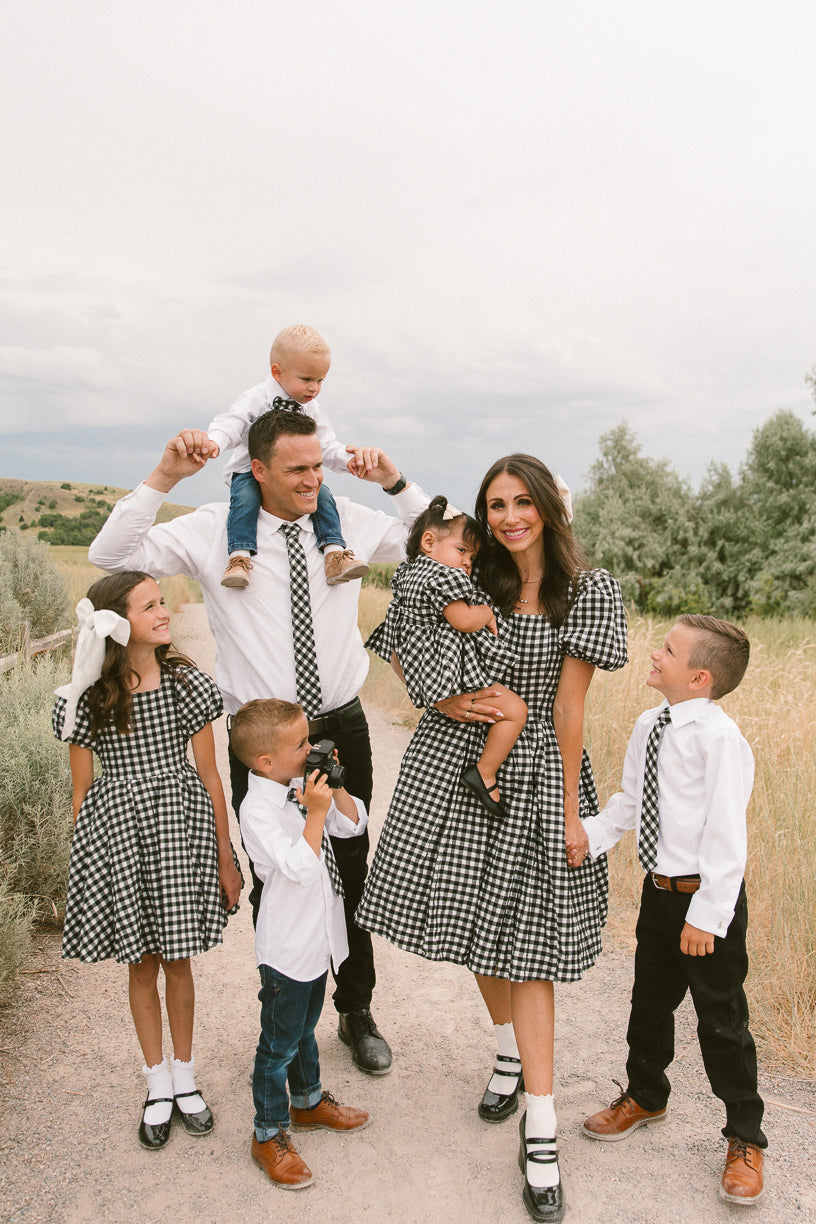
683,884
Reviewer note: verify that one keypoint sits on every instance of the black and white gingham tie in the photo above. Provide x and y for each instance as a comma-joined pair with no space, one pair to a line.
287,405
307,679
325,846
647,844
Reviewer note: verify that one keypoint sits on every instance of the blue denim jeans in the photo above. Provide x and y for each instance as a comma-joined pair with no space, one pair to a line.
245,502
287,1049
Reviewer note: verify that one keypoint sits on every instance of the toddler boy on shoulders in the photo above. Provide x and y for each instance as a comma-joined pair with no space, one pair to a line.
687,779
298,364
301,928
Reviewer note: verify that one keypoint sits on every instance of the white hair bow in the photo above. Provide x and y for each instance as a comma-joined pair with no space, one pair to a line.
451,512
565,495
94,628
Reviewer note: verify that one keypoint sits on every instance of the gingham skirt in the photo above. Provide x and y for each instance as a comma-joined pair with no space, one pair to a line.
448,882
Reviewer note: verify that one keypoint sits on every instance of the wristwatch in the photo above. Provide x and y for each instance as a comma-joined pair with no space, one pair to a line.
398,487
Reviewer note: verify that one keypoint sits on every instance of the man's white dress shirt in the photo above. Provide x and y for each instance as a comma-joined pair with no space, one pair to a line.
254,656
301,924
705,772
229,429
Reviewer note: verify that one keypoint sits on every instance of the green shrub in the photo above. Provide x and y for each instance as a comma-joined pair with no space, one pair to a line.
379,576
31,588
36,821
65,485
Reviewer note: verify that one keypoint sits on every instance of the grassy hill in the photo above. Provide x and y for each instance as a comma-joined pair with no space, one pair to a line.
31,505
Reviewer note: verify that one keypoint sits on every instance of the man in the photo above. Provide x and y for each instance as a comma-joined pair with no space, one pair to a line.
254,629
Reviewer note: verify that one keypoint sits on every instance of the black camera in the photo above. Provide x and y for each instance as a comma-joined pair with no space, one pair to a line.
321,758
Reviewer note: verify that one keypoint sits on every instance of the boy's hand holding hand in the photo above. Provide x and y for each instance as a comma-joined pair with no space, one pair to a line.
363,459
372,464
183,456
694,942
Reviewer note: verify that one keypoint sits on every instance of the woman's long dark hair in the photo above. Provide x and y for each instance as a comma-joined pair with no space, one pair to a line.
563,560
109,700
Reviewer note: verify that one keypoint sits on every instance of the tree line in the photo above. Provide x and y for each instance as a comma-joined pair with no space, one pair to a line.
742,545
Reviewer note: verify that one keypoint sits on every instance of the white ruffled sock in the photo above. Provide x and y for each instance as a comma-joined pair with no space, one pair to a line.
507,1048
184,1081
540,1123
159,1085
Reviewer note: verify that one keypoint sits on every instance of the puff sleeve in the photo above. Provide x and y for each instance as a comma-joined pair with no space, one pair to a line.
595,628
81,733
198,700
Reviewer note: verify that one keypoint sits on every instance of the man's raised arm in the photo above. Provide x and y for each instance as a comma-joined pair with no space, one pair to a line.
183,456
129,539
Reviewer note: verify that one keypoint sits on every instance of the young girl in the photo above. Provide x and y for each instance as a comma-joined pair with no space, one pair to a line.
431,635
151,857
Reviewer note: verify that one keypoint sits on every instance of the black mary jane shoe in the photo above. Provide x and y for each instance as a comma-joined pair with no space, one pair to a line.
472,779
496,1106
200,1123
154,1137
545,1206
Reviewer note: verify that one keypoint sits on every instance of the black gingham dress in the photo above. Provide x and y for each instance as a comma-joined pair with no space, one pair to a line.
436,659
450,883
143,875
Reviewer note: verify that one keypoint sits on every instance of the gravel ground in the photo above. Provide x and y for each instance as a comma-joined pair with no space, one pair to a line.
70,1097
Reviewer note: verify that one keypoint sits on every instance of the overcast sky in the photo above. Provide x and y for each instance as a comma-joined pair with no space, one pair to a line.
515,224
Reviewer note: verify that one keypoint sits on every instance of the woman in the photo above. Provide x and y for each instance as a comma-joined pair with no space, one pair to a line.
517,901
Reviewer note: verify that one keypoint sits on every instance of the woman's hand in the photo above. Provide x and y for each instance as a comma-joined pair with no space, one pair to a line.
471,707
230,880
577,842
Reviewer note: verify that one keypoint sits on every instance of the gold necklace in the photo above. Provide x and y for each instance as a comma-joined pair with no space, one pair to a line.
529,582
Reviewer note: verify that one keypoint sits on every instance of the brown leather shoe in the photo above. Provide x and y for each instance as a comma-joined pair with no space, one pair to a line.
281,1163
236,575
328,1115
621,1118
343,567
742,1175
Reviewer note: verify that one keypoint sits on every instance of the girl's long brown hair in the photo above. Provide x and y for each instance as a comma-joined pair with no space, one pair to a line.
563,559
109,700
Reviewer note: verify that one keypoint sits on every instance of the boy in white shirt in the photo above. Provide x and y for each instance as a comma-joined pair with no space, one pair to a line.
687,779
298,363
301,927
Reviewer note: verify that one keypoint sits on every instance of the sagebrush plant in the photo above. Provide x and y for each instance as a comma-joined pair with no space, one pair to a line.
36,822
32,589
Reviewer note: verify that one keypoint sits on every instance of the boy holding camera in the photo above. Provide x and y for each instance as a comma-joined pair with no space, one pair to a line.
286,820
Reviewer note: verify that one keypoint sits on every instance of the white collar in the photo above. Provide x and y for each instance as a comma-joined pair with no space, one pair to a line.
271,790
304,522
684,712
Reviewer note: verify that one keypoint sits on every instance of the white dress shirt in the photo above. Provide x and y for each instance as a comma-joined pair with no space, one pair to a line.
705,772
254,656
229,429
301,924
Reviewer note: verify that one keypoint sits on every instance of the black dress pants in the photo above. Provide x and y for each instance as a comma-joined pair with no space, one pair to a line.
356,978
662,977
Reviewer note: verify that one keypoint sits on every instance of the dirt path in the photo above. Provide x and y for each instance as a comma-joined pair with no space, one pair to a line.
70,1093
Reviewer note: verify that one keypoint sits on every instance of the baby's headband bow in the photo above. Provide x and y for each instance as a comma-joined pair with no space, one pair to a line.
94,627
450,512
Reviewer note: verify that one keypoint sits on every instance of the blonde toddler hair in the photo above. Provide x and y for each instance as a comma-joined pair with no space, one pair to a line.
299,338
